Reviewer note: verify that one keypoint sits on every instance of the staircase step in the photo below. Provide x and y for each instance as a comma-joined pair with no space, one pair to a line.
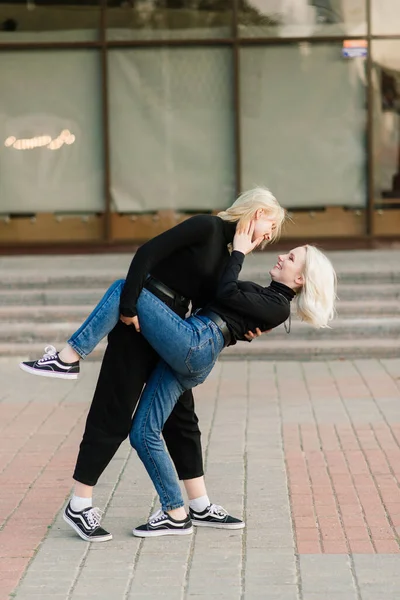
33,351
51,297
299,350
58,332
368,308
341,328
44,314
307,350
77,280
366,277
368,292
50,313
101,278
372,294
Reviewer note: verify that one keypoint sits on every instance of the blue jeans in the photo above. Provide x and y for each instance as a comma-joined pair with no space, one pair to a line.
189,349
99,323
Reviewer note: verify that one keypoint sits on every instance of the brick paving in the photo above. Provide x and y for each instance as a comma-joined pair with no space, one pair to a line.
307,453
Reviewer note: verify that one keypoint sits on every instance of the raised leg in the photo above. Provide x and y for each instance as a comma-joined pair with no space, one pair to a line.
99,323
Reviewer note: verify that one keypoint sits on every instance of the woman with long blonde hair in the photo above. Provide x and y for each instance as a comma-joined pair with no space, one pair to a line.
189,349
180,267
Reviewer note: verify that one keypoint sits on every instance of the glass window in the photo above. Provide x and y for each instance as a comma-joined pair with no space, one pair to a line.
302,18
385,17
386,87
50,120
303,124
171,129
49,20
168,19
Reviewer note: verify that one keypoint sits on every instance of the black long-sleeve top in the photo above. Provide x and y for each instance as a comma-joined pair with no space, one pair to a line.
189,258
245,305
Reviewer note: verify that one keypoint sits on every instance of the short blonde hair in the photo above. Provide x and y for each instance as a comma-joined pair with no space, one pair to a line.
315,301
244,208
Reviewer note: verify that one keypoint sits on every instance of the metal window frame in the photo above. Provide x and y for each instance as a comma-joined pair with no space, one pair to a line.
235,42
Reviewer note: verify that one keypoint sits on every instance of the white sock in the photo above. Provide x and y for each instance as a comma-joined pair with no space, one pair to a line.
78,504
199,504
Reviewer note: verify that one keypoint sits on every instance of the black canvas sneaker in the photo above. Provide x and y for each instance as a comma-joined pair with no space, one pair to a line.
86,524
215,516
162,524
50,365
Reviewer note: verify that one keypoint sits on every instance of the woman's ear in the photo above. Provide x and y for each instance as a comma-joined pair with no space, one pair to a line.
299,280
259,213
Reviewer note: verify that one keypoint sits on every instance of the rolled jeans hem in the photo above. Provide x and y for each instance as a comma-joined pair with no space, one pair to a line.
81,353
173,506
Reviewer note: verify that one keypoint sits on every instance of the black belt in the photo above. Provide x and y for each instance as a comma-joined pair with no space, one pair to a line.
221,324
153,284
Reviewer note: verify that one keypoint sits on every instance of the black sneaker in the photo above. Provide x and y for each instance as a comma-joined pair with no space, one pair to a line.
86,524
50,365
215,516
162,524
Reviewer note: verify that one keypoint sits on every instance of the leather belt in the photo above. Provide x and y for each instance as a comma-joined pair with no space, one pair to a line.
220,323
153,284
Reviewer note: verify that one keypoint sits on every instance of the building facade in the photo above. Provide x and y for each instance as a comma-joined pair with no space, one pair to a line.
121,118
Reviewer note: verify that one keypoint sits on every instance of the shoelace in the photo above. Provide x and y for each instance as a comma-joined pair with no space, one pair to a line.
216,509
157,516
49,353
93,516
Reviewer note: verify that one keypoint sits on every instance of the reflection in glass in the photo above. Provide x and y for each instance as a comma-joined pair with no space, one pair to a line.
301,18
171,129
49,21
386,86
303,124
51,153
169,19
385,17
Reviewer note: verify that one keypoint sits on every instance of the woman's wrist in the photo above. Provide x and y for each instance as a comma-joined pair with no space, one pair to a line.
238,251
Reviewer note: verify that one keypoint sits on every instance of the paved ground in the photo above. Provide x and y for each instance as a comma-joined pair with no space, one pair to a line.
307,453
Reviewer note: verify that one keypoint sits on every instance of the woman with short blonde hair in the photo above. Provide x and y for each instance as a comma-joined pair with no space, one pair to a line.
259,198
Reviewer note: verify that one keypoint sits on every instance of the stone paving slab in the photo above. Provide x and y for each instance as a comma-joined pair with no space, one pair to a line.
307,453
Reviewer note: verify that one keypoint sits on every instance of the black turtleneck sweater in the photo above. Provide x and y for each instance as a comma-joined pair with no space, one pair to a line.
189,258
245,305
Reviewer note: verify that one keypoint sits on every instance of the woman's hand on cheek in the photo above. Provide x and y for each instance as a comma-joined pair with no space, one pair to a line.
243,240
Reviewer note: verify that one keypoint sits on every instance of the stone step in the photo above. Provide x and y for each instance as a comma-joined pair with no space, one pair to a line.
344,329
262,349
90,296
33,351
77,313
366,277
307,350
369,308
87,279
370,292
44,314
51,297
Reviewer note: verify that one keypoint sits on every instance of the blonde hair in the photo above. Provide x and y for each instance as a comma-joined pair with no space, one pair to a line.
315,301
244,208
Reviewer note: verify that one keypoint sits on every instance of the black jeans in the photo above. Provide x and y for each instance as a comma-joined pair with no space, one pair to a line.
127,365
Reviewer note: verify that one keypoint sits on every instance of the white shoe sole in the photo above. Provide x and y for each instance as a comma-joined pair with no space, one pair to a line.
160,532
219,525
48,373
82,535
